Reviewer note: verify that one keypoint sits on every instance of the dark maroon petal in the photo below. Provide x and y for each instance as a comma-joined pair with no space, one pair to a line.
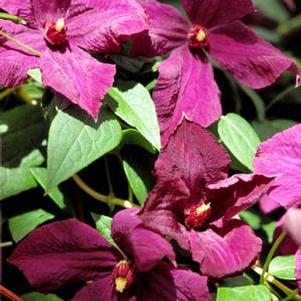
101,289
164,209
298,268
167,284
193,155
216,12
142,246
16,61
64,252
120,19
79,77
230,196
225,250
251,60
168,30
185,87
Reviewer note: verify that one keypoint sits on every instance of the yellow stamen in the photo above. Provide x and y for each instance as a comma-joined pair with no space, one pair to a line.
120,284
201,36
60,24
202,208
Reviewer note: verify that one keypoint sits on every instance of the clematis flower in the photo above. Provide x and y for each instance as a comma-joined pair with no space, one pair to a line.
70,251
284,149
213,31
194,202
56,35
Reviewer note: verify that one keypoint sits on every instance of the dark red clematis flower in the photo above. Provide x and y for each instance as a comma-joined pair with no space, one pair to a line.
194,202
70,251
214,31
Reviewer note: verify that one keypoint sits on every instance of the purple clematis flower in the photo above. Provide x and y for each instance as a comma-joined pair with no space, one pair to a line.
186,85
70,251
194,202
58,32
285,149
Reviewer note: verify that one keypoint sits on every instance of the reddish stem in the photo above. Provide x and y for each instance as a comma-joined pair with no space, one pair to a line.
10,295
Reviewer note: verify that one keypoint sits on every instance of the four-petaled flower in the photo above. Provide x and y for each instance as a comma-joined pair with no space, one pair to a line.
59,31
186,83
194,202
70,251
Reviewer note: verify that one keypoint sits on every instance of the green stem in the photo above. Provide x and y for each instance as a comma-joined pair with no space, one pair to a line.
108,177
109,200
6,92
271,255
8,17
20,44
6,244
280,96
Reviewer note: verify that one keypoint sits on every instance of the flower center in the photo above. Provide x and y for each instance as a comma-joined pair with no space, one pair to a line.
123,275
56,33
197,215
197,36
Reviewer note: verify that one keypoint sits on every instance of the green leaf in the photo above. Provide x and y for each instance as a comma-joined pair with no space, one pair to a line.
18,179
131,136
251,218
35,296
21,225
269,230
36,75
243,293
283,267
239,137
103,225
132,102
272,9
40,174
74,144
137,179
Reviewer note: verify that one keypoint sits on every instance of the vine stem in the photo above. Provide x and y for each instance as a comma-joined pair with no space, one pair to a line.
20,44
289,292
109,200
8,17
9,294
270,255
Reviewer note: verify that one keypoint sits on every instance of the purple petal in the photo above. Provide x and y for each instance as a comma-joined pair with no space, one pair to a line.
227,250
251,60
292,224
285,149
166,284
120,20
101,289
144,247
199,159
168,30
16,61
63,252
233,195
79,77
215,12
185,87
298,268
161,210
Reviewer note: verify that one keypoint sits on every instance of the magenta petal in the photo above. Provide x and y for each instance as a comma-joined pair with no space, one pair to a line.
168,30
15,60
101,289
215,12
284,148
227,250
142,246
79,77
63,252
267,204
237,193
292,224
199,159
19,8
251,60
160,210
166,284
101,25
185,87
